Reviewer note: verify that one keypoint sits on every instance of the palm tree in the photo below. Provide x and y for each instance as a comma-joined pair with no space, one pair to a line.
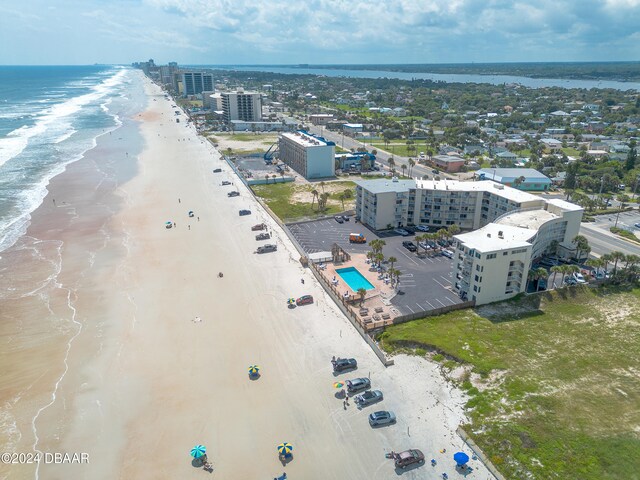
555,270
314,192
582,246
453,230
379,257
266,177
391,162
518,181
531,276
411,164
616,257
541,274
322,184
362,292
342,199
324,197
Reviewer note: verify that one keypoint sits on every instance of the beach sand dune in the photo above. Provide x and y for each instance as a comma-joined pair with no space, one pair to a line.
161,363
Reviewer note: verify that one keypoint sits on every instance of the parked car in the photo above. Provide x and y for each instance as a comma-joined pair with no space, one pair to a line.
345,218
244,212
570,281
263,236
435,172
422,228
411,230
447,253
410,246
342,364
579,278
259,226
637,225
226,182
367,398
304,300
233,194
338,219
217,170
401,231
383,417
408,457
267,248
358,384
424,245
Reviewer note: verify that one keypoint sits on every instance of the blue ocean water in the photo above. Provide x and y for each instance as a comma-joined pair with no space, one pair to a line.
49,116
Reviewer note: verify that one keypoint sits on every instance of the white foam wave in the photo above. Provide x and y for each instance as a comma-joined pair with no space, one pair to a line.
16,141
65,136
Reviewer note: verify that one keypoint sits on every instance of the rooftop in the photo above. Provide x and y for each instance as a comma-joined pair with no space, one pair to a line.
495,237
384,185
529,219
563,204
502,190
499,173
304,139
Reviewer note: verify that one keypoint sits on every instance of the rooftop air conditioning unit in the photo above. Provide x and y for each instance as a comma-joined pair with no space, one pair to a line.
500,234
489,235
499,186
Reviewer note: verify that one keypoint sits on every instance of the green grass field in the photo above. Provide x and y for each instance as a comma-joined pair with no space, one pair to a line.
554,380
280,199
250,137
399,148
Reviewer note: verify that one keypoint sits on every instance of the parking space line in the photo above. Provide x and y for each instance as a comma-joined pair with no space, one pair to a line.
412,310
443,286
407,256
445,279
429,303
437,300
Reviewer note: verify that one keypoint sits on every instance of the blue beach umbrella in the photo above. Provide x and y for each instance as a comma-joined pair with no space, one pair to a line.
254,369
285,448
460,458
198,451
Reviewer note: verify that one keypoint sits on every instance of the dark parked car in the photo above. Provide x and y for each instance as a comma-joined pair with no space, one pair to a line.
367,398
244,212
409,246
217,170
345,218
358,384
267,248
263,236
226,182
233,194
339,219
382,417
401,231
408,457
342,364
304,300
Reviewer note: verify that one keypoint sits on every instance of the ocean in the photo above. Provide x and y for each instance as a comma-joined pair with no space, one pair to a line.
49,117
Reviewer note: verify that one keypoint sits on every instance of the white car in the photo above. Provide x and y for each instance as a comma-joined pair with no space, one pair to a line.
579,278
447,253
422,228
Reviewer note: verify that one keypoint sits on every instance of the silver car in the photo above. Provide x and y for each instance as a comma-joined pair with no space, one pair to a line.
383,417
368,398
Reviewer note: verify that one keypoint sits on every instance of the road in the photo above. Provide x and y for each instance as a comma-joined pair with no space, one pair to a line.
603,241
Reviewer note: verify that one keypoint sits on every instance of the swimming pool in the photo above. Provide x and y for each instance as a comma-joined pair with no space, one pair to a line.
354,279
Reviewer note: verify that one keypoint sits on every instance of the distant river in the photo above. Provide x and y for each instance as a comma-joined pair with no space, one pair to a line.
449,78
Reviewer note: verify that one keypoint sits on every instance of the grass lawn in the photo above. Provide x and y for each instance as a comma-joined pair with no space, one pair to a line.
250,137
399,149
571,152
553,380
290,201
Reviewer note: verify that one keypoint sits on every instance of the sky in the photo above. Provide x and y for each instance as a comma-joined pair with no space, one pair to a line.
218,32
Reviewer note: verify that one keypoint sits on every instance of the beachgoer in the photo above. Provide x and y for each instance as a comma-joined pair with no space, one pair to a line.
302,280
189,226
54,201
174,224
198,218
179,201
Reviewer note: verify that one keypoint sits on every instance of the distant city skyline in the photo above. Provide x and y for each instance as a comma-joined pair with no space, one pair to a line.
318,31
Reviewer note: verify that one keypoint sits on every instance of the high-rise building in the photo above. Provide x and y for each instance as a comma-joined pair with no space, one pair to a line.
309,155
195,83
240,105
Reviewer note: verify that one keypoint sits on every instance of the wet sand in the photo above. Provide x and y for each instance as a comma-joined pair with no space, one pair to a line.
145,381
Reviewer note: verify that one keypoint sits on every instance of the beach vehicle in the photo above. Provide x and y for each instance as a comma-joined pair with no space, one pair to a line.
217,170
244,212
338,219
259,226
383,417
267,248
358,384
304,300
190,213
357,238
233,194
226,182
408,457
367,398
177,120
342,364
168,224
263,236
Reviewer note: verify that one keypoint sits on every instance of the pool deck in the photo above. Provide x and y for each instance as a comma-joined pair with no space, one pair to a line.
379,311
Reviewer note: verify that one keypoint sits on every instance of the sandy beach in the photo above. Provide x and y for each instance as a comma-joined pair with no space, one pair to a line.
150,351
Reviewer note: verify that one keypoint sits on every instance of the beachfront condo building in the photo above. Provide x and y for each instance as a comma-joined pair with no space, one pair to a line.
240,105
508,229
194,83
309,155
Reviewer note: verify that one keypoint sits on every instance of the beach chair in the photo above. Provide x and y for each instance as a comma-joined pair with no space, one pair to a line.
378,309
386,316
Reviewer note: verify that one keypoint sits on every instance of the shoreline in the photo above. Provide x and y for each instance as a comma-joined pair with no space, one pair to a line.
161,359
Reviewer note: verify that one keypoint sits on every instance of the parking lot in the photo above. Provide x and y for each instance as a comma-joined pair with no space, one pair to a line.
425,283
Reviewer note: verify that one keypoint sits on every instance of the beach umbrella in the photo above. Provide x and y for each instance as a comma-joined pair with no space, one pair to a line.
198,451
168,223
460,458
254,369
291,301
285,448
338,385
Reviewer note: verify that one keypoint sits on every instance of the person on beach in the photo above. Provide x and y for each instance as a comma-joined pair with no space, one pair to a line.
179,201
174,224
198,218
189,227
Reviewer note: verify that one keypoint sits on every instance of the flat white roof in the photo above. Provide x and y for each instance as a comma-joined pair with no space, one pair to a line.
563,204
530,219
386,185
304,139
487,238
481,186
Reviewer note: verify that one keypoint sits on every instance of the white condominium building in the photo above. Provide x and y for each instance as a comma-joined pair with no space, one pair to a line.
508,228
310,156
240,105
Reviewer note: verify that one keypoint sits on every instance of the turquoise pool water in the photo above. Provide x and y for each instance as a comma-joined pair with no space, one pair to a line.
354,279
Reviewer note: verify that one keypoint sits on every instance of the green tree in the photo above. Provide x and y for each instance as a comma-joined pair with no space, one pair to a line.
411,163
341,197
314,194
362,292
631,157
